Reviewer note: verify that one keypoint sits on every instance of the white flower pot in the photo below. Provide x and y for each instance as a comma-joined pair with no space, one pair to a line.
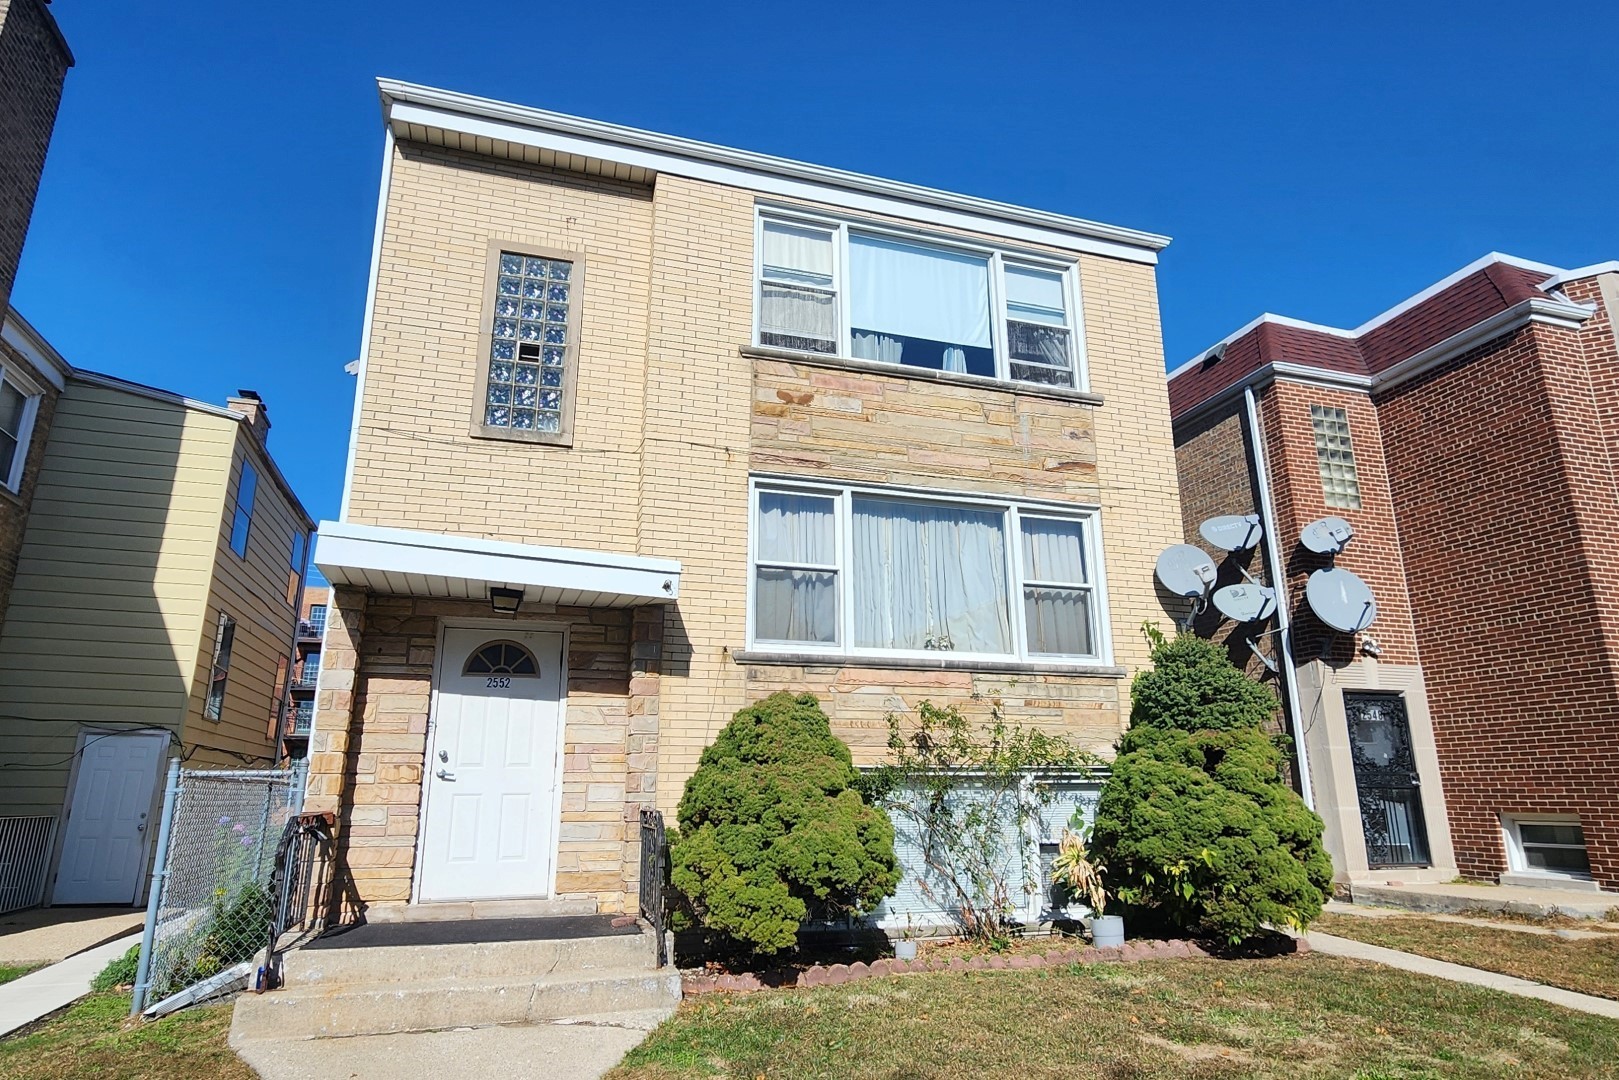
905,950
1107,930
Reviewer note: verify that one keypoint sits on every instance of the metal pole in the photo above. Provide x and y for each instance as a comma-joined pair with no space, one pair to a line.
1278,581
154,894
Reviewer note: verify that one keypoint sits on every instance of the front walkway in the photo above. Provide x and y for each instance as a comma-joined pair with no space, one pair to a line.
24,1000
1458,897
46,935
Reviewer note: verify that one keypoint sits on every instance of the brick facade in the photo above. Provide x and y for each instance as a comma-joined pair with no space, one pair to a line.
1485,533
33,62
675,410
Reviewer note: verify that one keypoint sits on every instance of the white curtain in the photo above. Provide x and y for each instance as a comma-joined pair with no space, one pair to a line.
792,604
1057,621
912,291
929,576
795,254
955,359
1034,295
795,312
870,345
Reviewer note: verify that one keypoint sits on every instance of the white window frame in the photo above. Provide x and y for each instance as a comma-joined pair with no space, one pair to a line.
1519,862
1088,516
998,256
32,395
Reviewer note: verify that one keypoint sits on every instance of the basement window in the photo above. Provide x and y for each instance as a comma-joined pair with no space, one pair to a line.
1333,450
1547,845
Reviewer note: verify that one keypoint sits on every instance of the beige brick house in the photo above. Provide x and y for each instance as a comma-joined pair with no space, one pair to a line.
647,429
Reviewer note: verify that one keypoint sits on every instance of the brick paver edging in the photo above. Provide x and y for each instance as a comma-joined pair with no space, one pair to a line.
839,974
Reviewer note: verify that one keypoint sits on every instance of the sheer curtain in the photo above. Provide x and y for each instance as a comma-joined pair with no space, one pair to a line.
796,298
870,345
1057,621
929,576
795,604
908,290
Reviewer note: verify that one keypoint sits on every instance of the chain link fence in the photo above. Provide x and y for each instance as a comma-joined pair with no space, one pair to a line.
211,908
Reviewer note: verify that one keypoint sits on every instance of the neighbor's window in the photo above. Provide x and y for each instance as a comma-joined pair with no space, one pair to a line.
960,309
871,571
1549,846
295,575
242,521
1336,456
223,639
531,334
18,404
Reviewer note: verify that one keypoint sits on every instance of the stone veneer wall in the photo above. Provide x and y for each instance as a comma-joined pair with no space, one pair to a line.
371,725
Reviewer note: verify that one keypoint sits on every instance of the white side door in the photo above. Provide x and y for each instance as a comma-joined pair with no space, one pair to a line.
490,824
104,847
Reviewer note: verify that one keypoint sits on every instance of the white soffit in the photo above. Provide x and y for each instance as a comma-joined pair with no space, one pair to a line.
485,126
404,562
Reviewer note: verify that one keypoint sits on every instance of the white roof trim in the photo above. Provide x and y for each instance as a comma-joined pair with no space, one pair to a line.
112,382
21,335
406,562
1404,305
499,121
1562,277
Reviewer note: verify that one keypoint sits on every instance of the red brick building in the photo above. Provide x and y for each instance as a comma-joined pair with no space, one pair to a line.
1470,436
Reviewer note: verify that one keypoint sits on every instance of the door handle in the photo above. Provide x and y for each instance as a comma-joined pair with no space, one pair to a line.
141,827
445,774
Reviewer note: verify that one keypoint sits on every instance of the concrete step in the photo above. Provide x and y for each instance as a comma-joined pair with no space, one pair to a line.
408,964
317,1012
456,911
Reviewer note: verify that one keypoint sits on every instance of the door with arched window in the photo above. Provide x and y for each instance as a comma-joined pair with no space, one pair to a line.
489,825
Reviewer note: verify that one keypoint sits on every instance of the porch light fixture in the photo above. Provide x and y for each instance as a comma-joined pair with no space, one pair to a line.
505,601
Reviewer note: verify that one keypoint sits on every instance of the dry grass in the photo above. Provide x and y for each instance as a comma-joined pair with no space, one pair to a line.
1584,965
94,1039
1294,1018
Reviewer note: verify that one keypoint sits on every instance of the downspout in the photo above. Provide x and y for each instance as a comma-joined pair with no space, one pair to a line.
1278,581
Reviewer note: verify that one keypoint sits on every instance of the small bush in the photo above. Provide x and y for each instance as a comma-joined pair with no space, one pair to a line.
1195,823
773,829
119,971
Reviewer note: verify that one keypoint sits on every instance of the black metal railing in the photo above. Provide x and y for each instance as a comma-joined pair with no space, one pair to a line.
654,878
299,884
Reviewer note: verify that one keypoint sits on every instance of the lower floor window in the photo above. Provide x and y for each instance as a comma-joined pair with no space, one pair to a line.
1548,846
879,572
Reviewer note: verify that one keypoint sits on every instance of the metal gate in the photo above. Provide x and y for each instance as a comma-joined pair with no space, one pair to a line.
1386,780
654,875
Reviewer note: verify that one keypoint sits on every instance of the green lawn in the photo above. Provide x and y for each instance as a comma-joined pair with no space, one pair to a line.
1585,965
91,1039
17,971
1294,1017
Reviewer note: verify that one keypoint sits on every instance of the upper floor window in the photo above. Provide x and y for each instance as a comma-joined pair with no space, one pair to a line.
19,401
214,706
529,346
247,489
875,572
1336,457
842,290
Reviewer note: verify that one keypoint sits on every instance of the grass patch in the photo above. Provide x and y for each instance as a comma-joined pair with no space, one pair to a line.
1584,965
17,971
93,1038
1293,1018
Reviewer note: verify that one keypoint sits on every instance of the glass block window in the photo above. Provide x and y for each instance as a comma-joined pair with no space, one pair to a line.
534,312
1336,456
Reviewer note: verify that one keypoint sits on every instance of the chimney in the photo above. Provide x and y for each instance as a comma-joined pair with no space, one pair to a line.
250,405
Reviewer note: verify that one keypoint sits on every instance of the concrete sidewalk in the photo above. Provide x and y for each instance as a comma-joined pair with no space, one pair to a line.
1465,897
46,935
582,1048
1440,969
24,1000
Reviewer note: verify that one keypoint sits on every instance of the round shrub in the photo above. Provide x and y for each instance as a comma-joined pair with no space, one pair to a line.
1195,823
773,830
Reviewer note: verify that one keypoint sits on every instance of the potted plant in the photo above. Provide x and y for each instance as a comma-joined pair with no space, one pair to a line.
1082,875
905,947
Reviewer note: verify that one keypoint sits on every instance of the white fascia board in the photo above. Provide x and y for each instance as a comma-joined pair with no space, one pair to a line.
1279,371
1563,277
1267,317
407,104
21,335
112,382
1547,311
340,546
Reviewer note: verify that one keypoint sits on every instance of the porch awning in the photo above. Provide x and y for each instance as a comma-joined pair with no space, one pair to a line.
404,562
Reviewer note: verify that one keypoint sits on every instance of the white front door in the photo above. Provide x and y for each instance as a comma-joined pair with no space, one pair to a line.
490,823
104,848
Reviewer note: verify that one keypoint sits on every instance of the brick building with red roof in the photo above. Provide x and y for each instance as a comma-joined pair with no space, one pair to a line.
1469,435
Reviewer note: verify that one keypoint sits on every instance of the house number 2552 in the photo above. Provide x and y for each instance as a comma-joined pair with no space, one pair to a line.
498,683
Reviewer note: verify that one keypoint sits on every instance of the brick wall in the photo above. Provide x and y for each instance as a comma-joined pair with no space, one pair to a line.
33,61
14,507
1503,475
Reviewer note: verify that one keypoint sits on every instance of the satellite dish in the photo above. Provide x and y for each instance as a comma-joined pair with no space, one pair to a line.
1341,600
1186,571
1232,532
1245,603
1328,536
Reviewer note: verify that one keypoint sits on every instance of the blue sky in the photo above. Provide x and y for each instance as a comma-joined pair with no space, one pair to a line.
206,215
